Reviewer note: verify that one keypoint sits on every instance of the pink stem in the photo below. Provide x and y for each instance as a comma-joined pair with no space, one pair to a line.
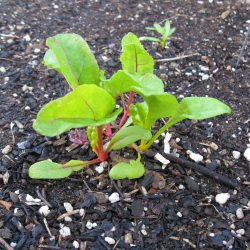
108,131
126,111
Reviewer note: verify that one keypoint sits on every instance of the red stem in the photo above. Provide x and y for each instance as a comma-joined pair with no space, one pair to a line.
102,156
126,111
108,131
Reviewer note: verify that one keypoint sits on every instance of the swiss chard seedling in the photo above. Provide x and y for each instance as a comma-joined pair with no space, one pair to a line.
164,31
93,100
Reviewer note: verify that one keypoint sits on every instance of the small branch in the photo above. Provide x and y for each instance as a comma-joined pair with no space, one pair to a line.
218,177
5,244
244,46
176,58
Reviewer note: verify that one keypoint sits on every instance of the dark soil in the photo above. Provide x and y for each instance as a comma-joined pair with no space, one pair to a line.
181,211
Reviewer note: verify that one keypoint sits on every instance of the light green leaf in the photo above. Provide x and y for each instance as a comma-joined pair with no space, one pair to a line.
138,113
122,82
133,170
127,136
150,39
70,55
160,106
159,29
199,108
134,58
87,105
51,170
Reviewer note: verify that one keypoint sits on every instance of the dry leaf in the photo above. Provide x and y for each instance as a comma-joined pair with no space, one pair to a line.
225,14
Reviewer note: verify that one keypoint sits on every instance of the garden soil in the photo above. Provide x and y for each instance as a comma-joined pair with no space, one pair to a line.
171,207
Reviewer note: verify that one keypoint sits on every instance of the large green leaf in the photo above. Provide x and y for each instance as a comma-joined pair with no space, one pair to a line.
160,106
134,58
70,55
144,85
199,108
132,170
50,170
88,105
127,136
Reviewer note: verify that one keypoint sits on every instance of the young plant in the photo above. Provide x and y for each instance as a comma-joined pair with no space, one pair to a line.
165,31
92,104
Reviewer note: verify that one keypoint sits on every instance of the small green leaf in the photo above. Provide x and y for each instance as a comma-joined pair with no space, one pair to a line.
134,58
150,28
199,108
70,55
133,170
159,29
87,105
122,82
50,170
139,112
150,39
127,136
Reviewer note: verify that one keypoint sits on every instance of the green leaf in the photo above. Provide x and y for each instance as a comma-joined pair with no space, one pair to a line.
134,58
138,113
199,108
150,39
122,82
70,55
133,170
127,136
87,105
51,170
160,106
150,28
159,29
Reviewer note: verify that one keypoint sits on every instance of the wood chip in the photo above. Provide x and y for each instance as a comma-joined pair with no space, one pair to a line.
225,14
7,205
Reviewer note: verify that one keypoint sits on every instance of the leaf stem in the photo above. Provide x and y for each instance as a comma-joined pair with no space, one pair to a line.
102,155
145,145
126,111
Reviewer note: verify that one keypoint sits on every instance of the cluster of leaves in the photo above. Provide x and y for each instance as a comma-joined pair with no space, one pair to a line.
92,104
164,31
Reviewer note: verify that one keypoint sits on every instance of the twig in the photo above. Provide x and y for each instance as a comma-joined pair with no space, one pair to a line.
47,227
68,214
49,247
6,59
5,244
244,45
176,58
218,177
185,240
10,36
43,199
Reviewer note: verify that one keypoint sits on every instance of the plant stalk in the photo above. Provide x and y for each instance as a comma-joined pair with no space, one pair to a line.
102,155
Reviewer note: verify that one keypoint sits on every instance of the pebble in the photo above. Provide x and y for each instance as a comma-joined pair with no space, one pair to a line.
75,244
114,197
68,207
239,213
236,155
32,201
179,214
65,231
128,238
13,244
99,169
247,154
2,70
110,240
81,212
36,50
240,231
68,219
144,232
27,38
7,149
222,198
90,225
161,159
166,143
195,157
44,210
